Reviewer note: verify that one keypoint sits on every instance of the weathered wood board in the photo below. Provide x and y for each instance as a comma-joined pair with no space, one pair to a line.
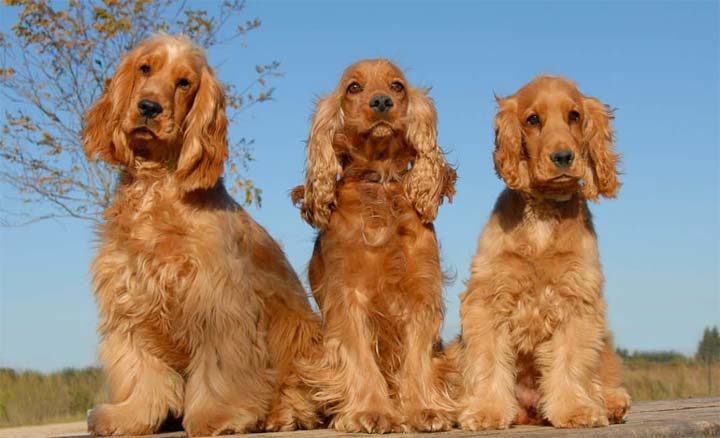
671,418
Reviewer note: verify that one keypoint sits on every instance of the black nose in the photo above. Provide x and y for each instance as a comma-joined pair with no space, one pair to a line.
562,158
381,103
149,108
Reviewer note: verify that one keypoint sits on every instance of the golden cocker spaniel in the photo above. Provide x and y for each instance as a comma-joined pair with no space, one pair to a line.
375,177
534,343
201,315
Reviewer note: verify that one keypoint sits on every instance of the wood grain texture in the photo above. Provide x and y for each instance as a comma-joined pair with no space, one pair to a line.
667,418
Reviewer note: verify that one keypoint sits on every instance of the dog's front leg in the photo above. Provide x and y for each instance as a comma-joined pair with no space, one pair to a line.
230,383
425,406
356,383
617,399
142,388
570,384
488,365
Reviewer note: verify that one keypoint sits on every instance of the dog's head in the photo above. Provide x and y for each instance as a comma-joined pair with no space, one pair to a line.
374,99
163,105
552,140
372,107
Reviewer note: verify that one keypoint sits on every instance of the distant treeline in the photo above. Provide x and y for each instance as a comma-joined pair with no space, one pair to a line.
708,352
663,357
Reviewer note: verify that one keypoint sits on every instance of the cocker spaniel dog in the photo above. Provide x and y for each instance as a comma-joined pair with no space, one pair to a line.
374,180
201,315
534,343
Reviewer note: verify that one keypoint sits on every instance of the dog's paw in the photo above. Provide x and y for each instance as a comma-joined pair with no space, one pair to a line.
487,418
580,416
527,416
107,420
368,422
280,421
287,419
430,420
617,402
221,424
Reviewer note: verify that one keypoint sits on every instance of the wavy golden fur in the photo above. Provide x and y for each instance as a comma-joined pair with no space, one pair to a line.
201,315
374,180
534,345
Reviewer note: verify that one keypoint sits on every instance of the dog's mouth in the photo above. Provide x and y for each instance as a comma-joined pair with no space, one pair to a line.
143,132
563,179
563,184
381,129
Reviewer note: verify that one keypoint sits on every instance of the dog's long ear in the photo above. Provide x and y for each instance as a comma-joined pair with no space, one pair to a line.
322,168
510,163
205,146
601,175
102,135
430,176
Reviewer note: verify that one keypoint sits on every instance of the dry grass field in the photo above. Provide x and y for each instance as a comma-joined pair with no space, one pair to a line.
658,381
30,397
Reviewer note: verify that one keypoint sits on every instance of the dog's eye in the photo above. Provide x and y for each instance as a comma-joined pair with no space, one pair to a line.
397,87
533,119
145,69
354,88
183,83
573,116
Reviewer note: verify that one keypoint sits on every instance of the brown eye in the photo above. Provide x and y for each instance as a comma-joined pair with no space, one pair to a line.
397,87
573,116
533,120
354,88
183,83
145,69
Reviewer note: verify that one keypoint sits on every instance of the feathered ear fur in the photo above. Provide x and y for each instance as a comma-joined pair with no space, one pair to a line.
510,165
322,167
102,136
205,147
601,176
430,176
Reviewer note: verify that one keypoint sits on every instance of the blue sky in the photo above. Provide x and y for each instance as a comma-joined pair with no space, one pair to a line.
657,63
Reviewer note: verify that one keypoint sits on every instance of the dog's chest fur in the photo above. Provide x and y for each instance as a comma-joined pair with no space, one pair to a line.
554,281
152,255
391,249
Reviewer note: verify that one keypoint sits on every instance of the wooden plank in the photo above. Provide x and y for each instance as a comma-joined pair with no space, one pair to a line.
667,418
665,405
